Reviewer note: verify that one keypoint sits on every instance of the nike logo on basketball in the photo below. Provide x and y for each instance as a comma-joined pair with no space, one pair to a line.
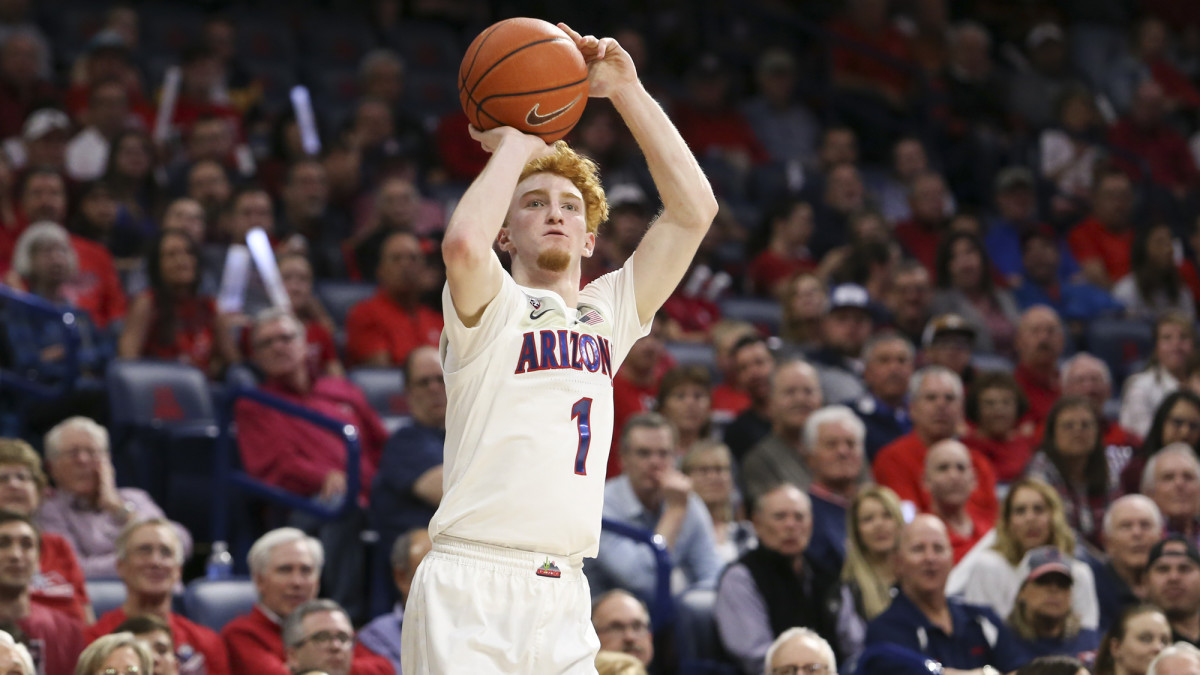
533,119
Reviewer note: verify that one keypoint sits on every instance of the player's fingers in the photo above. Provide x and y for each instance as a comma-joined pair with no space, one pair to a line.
570,31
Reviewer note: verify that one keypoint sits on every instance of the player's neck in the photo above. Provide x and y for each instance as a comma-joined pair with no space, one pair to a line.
565,283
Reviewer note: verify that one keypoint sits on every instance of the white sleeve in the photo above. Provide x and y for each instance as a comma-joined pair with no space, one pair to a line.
461,344
614,295
1136,409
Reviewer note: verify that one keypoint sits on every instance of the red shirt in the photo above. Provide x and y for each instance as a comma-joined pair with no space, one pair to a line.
1041,389
961,544
1161,148
295,455
193,340
1089,240
921,242
96,287
60,583
769,269
198,648
55,640
629,399
710,131
729,400
321,349
379,324
255,644
1187,270
1008,457
900,465
856,63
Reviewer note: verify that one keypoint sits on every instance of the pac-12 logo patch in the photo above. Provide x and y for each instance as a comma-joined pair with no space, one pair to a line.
535,303
549,569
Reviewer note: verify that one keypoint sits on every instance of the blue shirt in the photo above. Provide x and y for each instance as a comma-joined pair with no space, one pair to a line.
884,423
1081,302
980,638
827,547
1003,242
408,454
1083,646
382,636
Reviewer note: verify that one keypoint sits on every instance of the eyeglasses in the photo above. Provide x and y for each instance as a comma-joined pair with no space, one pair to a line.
114,671
636,627
324,637
809,668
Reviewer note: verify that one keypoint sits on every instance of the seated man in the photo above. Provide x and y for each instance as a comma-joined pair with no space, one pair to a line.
382,330
834,439
155,635
795,394
950,480
1043,620
1173,586
888,365
319,637
56,637
651,494
800,650
1177,659
773,587
88,509
921,619
285,565
149,561
382,635
623,625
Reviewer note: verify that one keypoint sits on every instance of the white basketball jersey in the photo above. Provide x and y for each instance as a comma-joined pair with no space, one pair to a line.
530,414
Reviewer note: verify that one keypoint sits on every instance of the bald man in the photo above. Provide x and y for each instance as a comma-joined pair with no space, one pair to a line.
781,457
961,636
1039,345
950,479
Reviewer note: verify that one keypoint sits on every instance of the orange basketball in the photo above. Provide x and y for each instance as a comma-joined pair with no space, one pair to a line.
524,73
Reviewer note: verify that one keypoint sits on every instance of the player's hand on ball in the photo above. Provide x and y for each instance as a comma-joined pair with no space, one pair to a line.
491,139
676,487
609,66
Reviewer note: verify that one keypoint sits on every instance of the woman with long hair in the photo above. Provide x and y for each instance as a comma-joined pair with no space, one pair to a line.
710,466
685,398
966,286
1177,420
1133,641
1174,343
1074,461
873,524
1155,285
803,302
130,175
171,320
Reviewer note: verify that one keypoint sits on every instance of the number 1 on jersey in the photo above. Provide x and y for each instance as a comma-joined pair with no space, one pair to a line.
581,412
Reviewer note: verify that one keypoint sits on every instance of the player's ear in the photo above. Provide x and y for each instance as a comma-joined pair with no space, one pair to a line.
504,239
589,245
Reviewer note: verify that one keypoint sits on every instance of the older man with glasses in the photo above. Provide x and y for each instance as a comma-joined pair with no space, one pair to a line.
319,637
623,625
800,651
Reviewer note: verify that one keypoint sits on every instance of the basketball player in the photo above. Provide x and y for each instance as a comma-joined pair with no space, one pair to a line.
529,361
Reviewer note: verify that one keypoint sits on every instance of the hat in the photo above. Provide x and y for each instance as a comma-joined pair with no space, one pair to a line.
849,296
946,324
1041,561
627,195
44,121
1159,549
1014,177
1042,33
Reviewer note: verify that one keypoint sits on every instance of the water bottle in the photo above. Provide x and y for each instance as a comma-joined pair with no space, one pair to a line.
220,563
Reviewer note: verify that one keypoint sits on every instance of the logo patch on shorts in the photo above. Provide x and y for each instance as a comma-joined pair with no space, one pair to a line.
549,569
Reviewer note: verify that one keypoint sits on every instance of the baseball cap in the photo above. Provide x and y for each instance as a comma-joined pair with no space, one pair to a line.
849,296
946,324
1014,177
1175,541
627,195
44,121
1041,561
1044,32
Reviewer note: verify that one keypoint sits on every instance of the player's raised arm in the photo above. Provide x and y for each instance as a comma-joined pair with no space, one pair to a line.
688,202
472,269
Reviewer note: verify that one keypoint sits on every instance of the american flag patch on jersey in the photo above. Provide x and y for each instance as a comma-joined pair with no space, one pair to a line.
591,318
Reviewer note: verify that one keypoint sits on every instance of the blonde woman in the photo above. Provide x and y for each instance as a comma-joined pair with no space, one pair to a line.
710,466
873,522
1031,516
118,653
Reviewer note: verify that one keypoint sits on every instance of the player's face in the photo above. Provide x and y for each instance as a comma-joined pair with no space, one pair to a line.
151,565
18,554
647,458
290,578
547,223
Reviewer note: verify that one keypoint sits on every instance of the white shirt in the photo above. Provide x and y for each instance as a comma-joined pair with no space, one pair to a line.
1143,392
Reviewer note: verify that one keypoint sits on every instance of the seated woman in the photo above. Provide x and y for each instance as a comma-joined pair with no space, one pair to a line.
966,286
1043,622
297,276
1177,420
87,508
1155,286
803,302
995,404
1133,641
170,320
787,227
710,466
685,398
1174,343
1031,516
1074,461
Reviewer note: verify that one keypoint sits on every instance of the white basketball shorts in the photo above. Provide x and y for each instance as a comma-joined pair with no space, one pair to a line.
476,609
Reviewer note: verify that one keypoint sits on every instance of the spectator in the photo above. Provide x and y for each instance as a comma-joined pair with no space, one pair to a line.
15,657
1181,657
88,509
844,330
198,90
804,302
318,636
709,465
1172,480
1087,376
950,480
1154,287
910,299
1042,620
297,275
114,653
773,587
789,226
58,582
131,175
1034,91
1031,517
107,114
23,86
995,406
1177,420
888,365
382,635
1039,346
155,635
1102,242
935,400
170,320
966,286
1135,639
1054,665
784,126
1074,461
920,613
1173,585
149,561
800,650
408,488
947,342
1131,526
635,385
753,364
1174,342
922,232
834,438
909,160
685,399
855,262
728,399
44,135
305,211
843,195
782,455
873,522
708,121
1016,206
623,625
1161,152
397,209
1076,302
1071,151
652,495
383,330
209,185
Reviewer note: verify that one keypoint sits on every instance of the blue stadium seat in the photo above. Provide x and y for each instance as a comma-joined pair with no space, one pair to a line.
339,296
763,313
1120,343
384,389
693,354
105,594
215,603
